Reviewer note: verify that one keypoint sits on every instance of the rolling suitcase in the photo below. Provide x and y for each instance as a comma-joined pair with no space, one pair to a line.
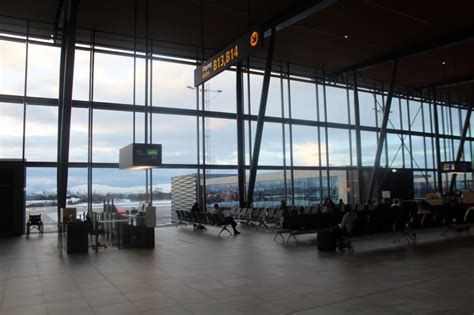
326,240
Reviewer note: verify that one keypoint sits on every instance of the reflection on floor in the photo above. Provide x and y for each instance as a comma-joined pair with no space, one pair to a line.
198,273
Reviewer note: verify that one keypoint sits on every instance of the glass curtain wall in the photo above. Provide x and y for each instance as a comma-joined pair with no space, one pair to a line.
308,142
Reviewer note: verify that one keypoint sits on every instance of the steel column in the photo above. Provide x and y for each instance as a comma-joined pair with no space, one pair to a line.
240,135
290,136
465,129
360,180
283,137
438,147
383,132
261,116
66,76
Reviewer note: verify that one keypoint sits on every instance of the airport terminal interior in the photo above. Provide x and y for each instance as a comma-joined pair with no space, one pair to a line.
246,157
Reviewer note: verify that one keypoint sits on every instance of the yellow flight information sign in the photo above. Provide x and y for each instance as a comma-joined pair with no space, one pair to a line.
254,39
227,57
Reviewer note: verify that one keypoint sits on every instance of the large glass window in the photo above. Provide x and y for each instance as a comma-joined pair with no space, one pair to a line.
113,78
41,133
77,189
418,152
271,150
338,147
43,71
11,130
369,147
112,131
173,86
221,145
303,100
80,89
305,146
78,146
270,189
126,187
394,117
416,116
367,109
395,154
274,95
177,135
220,93
12,67
455,119
336,104
41,197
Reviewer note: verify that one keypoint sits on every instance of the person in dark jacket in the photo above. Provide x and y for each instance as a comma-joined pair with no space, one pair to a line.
195,208
225,220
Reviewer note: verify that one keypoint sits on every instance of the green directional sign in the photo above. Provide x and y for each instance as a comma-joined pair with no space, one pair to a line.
228,57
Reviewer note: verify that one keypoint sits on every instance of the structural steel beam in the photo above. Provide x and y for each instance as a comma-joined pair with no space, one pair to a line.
437,145
360,178
383,132
465,129
295,14
425,47
451,82
65,97
240,135
260,120
58,18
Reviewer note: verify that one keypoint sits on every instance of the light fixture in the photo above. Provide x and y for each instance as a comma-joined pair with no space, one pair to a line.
443,62
346,36
140,156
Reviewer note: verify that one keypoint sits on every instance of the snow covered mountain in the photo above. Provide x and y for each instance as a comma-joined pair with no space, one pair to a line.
105,189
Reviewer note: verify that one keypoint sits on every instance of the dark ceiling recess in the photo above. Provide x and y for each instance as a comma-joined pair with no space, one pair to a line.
434,40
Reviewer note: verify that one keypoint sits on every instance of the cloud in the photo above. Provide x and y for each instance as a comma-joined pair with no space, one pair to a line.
12,67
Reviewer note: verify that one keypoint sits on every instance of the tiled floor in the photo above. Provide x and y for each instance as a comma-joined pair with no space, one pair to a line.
198,273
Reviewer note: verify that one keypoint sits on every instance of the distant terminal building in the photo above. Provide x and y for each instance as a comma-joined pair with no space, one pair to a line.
270,189
309,188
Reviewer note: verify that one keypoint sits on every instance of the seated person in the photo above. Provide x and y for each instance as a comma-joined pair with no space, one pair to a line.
225,220
348,221
424,209
395,204
284,207
341,206
329,206
195,208
369,205
301,211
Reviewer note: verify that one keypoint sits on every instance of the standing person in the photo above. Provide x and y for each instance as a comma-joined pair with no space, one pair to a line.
225,220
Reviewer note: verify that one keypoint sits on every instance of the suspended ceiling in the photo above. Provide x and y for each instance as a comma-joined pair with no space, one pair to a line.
345,34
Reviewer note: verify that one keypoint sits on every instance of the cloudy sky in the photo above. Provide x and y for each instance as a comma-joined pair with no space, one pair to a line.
113,82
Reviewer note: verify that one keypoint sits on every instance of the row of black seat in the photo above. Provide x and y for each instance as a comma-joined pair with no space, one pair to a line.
201,218
379,220
258,217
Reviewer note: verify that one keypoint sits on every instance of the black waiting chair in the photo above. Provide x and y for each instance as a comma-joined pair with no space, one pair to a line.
34,222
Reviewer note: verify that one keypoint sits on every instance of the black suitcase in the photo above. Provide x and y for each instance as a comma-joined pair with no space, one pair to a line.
327,240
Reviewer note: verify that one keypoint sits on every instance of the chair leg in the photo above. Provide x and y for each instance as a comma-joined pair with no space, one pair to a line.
279,234
224,229
290,236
